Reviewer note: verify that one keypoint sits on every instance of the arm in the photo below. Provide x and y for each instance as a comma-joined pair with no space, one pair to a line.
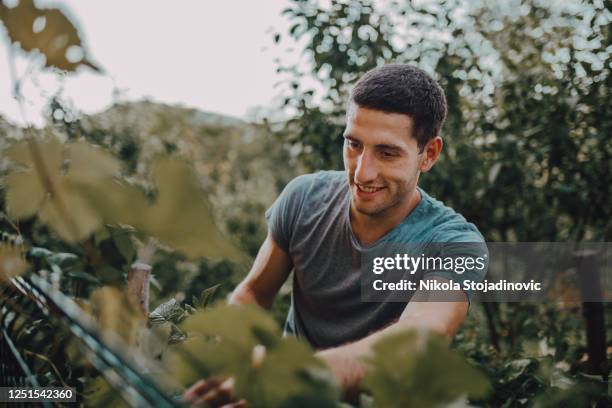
270,270
439,317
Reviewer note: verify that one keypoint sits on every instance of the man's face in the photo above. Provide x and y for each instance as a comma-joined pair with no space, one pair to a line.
382,160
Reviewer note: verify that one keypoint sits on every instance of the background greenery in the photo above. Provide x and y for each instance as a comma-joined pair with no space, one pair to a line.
526,158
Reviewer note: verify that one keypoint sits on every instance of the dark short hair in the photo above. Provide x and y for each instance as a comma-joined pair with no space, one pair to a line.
406,89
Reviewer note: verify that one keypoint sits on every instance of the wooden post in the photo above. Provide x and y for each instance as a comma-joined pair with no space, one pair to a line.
138,285
592,310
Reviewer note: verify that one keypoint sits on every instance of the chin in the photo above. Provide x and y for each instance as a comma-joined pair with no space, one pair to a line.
371,210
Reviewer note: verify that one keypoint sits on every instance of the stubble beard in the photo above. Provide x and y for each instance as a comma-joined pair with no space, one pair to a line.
382,209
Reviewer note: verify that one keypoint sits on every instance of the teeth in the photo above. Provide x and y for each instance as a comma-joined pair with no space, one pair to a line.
369,189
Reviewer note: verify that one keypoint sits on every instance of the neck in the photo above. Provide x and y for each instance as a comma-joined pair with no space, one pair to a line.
370,228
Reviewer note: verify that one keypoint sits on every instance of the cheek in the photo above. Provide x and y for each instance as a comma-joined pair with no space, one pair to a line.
348,161
401,175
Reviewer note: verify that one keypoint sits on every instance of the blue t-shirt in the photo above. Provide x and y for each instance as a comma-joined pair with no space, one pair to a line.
310,221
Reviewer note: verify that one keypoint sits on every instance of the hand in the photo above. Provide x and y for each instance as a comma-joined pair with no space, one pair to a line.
213,392
346,368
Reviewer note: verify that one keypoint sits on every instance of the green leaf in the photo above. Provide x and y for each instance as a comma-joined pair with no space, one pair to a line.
99,393
289,372
418,369
244,342
180,199
89,163
78,219
101,234
25,190
51,149
69,212
55,35
207,296
86,276
110,276
196,302
124,244
233,324
63,259
116,313
25,194
115,202
166,312
38,252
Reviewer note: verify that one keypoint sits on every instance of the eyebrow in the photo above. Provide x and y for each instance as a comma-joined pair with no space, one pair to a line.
384,146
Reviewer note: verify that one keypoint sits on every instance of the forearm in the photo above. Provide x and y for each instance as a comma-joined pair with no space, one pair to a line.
244,295
346,361
270,270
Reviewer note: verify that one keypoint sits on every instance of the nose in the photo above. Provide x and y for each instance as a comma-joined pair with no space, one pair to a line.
367,169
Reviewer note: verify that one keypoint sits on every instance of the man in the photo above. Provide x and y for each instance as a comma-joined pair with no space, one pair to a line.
322,225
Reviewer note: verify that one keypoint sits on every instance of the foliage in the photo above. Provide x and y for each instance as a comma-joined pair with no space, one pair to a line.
88,195
170,314
47,30
76,201
540,350
526,154
527,86
11,262
244,343
412,369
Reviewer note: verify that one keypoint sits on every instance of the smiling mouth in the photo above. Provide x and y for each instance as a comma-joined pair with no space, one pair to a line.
368,189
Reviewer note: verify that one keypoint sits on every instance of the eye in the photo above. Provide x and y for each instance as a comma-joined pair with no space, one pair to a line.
387,155
352,144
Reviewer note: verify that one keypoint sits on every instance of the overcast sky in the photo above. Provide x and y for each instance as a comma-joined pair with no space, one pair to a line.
215,55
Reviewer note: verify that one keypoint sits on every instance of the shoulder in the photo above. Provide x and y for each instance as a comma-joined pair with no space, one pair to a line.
316,185
445,224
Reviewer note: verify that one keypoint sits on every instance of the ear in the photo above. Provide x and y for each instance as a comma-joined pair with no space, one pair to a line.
431,152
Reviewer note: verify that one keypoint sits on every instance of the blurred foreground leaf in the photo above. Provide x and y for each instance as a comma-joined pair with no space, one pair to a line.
47,30
11,262
26,192
181,215
245,343
99,393
116,314
56,195
420,370
76,196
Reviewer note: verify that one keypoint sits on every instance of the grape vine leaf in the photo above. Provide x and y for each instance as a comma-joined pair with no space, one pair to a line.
181,216
89,163
25,190
99,393
24,195
66,208
245,343
116,314
124,244
47,30
84,218
86,193
415,369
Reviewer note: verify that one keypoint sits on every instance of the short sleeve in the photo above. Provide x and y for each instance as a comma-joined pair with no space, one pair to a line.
283,213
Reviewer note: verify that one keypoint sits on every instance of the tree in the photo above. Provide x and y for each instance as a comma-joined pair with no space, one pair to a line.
527,87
